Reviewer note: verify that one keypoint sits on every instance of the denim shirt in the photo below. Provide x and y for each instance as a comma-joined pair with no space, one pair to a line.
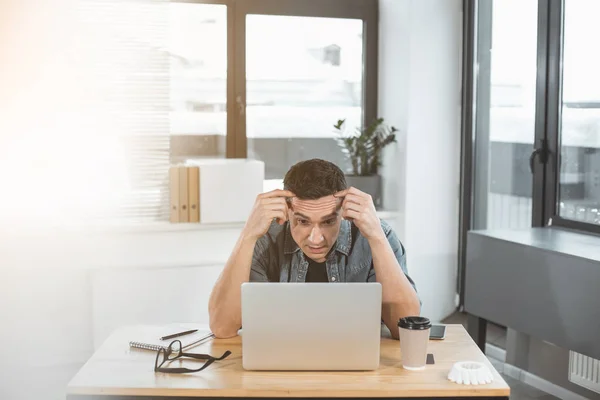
278,258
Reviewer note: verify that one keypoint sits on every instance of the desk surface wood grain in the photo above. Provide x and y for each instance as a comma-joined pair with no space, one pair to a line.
115,369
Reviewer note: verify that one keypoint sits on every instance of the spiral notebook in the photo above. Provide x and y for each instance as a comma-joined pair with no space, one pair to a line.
151,338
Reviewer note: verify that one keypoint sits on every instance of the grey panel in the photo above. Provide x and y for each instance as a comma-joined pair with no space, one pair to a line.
552,363
544,282
558,240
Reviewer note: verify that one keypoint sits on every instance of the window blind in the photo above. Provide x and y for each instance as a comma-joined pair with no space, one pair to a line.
128,58
84,122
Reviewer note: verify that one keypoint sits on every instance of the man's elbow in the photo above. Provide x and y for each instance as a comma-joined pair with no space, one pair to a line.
414,307
407,307
410,306
221,329
223,332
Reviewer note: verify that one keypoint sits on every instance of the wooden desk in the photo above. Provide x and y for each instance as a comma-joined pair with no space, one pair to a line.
115,370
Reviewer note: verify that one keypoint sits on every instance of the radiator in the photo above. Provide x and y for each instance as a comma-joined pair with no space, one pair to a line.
584,371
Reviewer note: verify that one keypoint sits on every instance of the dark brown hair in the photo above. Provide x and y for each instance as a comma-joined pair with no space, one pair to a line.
313,179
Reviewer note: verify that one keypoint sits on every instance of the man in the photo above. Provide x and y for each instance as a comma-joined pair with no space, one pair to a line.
315,230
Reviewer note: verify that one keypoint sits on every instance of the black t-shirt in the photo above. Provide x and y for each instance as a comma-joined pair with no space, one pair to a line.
317,272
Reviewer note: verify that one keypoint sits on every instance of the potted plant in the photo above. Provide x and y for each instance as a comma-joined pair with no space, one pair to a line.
363,149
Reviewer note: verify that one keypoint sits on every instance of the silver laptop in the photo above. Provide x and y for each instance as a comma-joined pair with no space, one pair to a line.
311,326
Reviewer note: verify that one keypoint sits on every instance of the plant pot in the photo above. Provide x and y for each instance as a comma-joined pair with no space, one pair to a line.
368,184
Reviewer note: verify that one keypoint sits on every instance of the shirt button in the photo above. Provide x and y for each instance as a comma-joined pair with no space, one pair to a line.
333,279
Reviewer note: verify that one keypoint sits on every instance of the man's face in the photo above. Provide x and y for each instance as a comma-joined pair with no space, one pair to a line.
315,225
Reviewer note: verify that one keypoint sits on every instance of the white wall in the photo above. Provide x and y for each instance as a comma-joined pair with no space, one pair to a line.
61,294
419,93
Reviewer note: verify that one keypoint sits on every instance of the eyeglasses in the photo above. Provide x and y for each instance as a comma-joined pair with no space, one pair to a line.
174,351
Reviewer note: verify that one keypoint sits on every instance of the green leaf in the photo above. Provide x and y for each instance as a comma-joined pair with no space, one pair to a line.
363,148
339,124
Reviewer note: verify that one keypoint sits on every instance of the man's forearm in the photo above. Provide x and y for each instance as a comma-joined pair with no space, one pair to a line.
398,296
224,305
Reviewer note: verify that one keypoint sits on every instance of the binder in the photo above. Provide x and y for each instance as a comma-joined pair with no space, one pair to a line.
184,215
174,193
194,193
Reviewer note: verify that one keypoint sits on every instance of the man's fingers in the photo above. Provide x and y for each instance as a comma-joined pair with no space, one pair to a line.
355,191
351,206
350,214
273,200
277,206
352,198
341,193
280,215
276,193
279,203
348,191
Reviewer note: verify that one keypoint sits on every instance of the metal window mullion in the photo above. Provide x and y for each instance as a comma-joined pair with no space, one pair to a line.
469,35
553,110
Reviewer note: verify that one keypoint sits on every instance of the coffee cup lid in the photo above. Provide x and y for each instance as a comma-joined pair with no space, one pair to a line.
414,323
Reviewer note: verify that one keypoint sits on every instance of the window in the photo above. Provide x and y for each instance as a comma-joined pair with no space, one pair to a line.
533,132
272,80
198,80
531,117
303,74
268,80
505,117
579,168
260,79
109,93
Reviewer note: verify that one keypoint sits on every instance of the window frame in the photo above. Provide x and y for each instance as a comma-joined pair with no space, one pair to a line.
365,10
230,107
553,119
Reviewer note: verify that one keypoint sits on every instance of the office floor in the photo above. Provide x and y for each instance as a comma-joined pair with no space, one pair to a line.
496,335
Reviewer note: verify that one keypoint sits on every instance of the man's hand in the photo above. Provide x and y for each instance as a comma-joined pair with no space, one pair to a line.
224,304
267,206
358,207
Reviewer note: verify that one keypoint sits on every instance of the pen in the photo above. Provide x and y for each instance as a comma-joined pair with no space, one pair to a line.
178,334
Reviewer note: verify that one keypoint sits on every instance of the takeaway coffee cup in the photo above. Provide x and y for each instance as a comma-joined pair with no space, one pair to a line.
414,337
